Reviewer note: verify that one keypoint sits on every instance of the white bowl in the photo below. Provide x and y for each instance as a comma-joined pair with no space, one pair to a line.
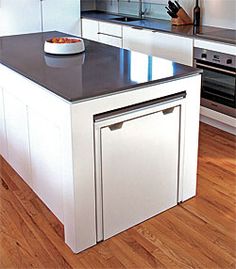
64,48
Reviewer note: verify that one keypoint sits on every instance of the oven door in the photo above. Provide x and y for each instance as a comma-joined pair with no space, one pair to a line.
218,88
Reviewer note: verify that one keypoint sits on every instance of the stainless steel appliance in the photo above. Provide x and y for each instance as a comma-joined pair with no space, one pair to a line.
218,80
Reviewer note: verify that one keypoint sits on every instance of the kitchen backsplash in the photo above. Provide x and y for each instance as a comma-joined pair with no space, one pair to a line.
127,7
88,5
219,13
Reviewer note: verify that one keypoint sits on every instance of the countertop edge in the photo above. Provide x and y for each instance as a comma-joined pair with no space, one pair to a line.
120,90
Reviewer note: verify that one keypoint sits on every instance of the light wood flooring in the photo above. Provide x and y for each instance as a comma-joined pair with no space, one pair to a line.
199,233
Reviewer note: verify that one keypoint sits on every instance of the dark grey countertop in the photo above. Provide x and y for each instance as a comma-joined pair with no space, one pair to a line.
204,32
99,71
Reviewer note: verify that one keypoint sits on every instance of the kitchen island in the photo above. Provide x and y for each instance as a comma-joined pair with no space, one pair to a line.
99,135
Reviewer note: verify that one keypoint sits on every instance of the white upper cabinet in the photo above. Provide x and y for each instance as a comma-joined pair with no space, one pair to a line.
63,15
19,17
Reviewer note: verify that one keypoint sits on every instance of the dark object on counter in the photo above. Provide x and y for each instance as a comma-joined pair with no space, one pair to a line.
172,14
178,5
174,8
196,14
178,14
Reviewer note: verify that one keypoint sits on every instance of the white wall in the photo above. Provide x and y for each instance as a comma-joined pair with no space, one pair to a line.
219,13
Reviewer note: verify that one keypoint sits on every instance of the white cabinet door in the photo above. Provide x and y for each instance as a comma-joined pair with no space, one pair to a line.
19,17
16,116
110,29
3,137
63,15
46,161
110,40
90,29
139,164
173,47
110,34
138,40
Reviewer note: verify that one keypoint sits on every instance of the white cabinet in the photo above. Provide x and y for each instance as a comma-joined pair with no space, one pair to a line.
138,153
110,40
107,33
29,16
110,34
110,29
46,152
63,16
33,138
169,46
19,17
90,29
16,118
138,40
172,47
3,137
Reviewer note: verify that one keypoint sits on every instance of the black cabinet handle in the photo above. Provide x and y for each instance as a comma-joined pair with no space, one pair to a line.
168,110
116,126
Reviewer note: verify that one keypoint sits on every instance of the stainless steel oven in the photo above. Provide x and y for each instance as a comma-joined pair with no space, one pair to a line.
218,80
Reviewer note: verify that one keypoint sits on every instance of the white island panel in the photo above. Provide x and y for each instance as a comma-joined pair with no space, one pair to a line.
73,125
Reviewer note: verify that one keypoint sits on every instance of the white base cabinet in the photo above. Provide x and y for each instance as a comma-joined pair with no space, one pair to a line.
46,154
110,40
90,29
103,32
50,142
137,166
16,125
139,40
3,136
172,47
32,137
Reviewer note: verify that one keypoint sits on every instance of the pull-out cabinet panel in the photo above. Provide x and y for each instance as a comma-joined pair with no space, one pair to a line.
110,40
137,164
110,29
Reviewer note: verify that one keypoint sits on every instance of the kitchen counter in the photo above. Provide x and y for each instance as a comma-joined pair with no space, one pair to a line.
101,70
53,115
204,32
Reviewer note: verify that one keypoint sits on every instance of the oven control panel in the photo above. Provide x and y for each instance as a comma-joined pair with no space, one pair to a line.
215,57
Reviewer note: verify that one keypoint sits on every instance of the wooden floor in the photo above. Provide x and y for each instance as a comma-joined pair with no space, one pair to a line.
199,233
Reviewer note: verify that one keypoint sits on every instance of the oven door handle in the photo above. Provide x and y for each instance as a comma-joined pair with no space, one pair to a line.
216,68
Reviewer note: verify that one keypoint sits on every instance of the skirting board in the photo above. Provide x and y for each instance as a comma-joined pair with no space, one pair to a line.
218,120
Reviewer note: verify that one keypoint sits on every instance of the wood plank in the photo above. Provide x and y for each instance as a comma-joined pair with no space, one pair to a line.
199,233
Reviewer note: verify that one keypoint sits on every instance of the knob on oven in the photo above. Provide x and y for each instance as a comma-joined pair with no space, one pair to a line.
204,55
229,61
